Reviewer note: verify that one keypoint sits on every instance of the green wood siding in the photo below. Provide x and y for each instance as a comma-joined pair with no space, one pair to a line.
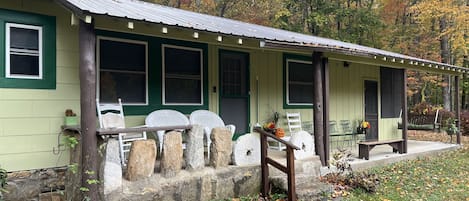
30,119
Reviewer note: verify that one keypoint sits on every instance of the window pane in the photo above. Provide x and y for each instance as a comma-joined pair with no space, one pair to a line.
183,80
300,83
180,61
300,72
182,91
117,55
129,87
24,65
122,71
24,38
300,93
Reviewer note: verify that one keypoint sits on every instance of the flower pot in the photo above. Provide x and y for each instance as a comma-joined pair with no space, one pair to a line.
71,121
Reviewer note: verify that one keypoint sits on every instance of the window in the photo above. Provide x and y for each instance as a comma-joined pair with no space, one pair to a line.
299,82
182,75
23,45
391,92
28,50
122,71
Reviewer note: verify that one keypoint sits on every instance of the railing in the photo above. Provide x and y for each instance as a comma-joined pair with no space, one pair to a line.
115,131
265,160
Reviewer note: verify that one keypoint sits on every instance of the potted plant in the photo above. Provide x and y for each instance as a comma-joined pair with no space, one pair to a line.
363,126
71,118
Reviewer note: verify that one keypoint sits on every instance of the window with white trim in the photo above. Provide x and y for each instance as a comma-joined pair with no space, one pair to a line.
182,75
299,81
122,73
23,54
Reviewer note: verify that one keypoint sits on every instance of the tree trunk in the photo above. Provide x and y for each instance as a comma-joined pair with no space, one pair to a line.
444,48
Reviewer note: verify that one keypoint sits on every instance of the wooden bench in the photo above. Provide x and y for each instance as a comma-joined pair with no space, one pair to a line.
365,147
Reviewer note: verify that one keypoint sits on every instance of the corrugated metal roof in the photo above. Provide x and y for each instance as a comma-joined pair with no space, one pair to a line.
154,13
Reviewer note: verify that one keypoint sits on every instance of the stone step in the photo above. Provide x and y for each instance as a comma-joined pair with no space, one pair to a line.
307,187
307,166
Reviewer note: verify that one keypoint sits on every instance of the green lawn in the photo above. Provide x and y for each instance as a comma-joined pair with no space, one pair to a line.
442,177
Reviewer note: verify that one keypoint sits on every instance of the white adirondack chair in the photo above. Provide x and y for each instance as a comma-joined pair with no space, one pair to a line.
209,120
165,118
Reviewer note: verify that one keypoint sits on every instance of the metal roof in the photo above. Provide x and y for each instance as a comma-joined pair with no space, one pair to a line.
154,13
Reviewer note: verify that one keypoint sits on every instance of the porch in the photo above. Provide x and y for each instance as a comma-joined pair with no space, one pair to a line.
209,183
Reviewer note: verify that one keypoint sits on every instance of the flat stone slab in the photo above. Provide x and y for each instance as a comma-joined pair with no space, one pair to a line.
142,158
172,154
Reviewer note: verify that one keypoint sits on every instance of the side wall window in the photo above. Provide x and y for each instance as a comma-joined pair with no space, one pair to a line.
391,92
122,71
182,75
28,50
23,44
298,82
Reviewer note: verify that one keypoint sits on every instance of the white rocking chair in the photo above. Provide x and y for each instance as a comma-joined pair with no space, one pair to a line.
111,115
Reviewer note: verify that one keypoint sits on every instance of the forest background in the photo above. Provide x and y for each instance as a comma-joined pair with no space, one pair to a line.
436,30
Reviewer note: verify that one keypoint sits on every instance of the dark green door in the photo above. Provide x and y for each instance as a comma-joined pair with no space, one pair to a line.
234,89
371,108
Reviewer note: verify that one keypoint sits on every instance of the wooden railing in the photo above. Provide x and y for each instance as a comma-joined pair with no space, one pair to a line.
265,160
115,131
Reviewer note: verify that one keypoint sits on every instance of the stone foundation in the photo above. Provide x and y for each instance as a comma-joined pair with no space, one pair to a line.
204,184
42,184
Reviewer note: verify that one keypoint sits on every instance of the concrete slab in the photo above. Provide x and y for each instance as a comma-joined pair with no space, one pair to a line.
383,155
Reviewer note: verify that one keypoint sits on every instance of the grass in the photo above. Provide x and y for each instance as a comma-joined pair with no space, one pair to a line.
442,177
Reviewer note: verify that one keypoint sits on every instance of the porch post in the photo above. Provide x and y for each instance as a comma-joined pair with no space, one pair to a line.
317,104
325,90
404,109
458,108
87,43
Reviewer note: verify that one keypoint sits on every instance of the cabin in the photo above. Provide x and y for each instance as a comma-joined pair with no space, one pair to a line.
59,55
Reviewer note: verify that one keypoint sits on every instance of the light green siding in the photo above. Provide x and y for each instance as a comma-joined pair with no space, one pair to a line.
30,119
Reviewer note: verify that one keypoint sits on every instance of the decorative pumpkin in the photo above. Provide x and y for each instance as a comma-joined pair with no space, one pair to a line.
280,132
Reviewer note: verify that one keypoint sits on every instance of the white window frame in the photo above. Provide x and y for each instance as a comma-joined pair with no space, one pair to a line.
8,51
288,81
163,46
98,59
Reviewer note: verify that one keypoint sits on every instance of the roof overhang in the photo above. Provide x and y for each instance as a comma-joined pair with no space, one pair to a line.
138,11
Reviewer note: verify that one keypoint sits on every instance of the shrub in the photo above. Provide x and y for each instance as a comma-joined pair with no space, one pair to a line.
465,122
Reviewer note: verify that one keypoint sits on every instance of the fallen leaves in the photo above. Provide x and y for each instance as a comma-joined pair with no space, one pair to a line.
441,177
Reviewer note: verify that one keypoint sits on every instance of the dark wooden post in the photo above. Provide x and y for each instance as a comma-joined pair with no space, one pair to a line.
87,45
404,109
265,188
458,108
317,107
325,91
291,174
